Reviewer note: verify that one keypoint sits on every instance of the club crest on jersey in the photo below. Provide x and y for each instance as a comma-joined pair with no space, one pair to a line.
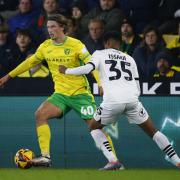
66,51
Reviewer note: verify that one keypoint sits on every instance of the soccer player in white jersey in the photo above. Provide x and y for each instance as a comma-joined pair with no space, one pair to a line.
119,79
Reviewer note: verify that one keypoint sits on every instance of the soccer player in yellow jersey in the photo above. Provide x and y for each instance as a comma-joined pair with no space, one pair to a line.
71,92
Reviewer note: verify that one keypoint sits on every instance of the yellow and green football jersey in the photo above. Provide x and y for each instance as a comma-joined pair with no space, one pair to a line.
72,53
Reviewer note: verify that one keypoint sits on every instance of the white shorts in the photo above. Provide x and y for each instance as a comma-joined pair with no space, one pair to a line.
109,113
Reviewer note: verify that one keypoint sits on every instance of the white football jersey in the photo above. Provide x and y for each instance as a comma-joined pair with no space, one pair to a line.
118,73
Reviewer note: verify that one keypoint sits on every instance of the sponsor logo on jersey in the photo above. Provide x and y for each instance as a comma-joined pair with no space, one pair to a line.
59,60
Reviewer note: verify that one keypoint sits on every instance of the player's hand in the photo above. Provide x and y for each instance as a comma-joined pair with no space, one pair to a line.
62,69
101,91
3,80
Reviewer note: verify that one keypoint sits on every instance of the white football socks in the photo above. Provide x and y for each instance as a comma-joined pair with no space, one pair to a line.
163,143
103,143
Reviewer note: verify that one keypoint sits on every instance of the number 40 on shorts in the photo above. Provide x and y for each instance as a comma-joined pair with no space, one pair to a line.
87,110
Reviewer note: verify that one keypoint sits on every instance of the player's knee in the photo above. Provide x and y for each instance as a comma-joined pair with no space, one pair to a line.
91,127
94,125
40,116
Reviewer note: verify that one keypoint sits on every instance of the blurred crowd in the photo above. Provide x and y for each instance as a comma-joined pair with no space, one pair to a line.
149,31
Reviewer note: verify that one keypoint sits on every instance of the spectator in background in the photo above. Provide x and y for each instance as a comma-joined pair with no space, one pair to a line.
93,41
5,50
108,12
164,66
72,28
129,40
78,9
174,47
145,54
25,18
49,7
22,49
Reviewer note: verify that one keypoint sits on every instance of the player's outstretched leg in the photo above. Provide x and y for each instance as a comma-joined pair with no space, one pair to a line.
104,143
162,142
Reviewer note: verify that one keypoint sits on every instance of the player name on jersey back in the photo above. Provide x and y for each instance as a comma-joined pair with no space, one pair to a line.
116,56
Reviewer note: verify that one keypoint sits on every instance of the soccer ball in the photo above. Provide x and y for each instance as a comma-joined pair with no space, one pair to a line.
22,157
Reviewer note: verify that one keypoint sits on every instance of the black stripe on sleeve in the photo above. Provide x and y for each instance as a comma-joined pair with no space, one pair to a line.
92,65
136,79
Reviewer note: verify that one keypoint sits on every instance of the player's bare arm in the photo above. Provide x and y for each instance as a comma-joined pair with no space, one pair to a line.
4,80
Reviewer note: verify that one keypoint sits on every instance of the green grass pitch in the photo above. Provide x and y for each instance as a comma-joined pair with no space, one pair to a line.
89,174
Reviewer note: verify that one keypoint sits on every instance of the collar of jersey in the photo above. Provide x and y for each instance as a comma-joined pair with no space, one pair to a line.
65,39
